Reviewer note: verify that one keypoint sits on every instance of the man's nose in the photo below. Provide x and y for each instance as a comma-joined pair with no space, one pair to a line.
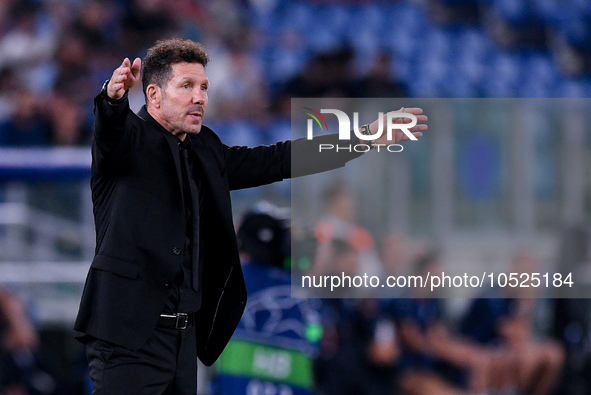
199,97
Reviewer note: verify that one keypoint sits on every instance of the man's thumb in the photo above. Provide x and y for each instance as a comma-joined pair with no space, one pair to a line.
136,67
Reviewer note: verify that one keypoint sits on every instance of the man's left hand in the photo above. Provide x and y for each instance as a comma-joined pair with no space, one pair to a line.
397,134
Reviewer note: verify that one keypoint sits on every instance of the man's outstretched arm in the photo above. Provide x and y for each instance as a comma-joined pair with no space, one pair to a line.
111,109
111,105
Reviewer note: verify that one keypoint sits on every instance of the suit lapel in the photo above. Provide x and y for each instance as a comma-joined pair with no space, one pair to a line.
207,162
213,177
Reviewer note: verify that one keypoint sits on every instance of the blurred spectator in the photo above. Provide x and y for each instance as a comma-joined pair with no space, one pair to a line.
29,46
515,25
230,16
327,75
397,254
97,25
339,223
67,124
147,21
5,16
507,324
571,321
572,325
28,125
337,258
573,54
21,370
273,346
434,360
574,250
240,91
360,352
74,78
380,82
453,12
8,93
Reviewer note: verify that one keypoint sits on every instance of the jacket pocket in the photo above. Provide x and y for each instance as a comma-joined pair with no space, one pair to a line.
115,265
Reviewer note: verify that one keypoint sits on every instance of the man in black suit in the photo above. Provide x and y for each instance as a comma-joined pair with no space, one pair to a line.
166,283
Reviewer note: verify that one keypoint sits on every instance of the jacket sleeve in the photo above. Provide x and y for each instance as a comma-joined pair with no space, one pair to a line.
111,133
249,167
307,158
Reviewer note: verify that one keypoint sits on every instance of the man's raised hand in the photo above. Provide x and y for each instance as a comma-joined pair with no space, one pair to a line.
124,77
397,134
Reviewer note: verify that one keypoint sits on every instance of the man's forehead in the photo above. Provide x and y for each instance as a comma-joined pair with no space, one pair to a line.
188,70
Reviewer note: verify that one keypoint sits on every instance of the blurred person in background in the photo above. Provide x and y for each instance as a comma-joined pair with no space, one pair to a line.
8,93
28,47
28,125
22,370
272,348
380,81
336,258
435,361
360,352
146,21
73,81
339,223
397,254
328,74
97,23
506,323
571,321
243,96
67,125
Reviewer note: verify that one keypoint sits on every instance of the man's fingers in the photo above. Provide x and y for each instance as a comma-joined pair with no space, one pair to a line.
420,120
417,112
121,76
136,68
115,86
122,71
419,128
412,110
416,134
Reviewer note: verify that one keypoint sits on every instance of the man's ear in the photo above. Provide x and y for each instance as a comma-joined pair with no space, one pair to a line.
154,95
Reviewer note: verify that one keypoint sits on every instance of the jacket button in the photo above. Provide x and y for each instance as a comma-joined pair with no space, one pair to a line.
176,251
166,283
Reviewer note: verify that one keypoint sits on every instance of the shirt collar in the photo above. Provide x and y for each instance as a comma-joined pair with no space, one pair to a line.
186,143
144,114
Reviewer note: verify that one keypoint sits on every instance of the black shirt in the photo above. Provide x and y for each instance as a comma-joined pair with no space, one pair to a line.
183,298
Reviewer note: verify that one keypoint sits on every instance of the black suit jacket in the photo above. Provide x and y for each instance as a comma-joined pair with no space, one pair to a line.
138,210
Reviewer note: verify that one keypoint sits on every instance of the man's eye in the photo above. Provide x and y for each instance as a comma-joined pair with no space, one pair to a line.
186,86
